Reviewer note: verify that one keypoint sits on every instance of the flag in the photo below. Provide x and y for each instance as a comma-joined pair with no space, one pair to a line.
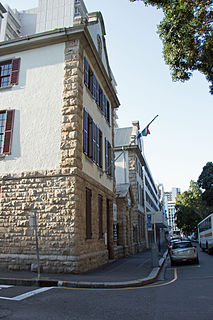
145,131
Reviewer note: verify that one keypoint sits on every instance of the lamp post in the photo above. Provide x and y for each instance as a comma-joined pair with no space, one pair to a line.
33,224
37,250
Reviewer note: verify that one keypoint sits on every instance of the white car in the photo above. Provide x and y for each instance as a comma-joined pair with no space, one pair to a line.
182,251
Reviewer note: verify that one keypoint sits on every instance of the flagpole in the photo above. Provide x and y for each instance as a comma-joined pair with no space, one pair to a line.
151,121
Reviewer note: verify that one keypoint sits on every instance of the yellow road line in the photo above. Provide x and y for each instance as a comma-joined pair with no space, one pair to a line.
128,288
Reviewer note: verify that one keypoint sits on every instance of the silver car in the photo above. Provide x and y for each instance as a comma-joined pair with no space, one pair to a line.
182,251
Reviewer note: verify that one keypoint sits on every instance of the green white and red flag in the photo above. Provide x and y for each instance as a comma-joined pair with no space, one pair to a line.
146,131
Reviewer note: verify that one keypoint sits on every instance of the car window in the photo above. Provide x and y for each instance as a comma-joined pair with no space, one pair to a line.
182,245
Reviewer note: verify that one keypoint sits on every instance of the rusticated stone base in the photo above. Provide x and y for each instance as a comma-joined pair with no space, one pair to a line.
58,197
53,264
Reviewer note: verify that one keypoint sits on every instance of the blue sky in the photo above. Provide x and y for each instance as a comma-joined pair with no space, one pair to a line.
180,143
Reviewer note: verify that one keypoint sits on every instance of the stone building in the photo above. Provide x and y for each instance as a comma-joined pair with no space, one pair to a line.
125,203
58,97
133,174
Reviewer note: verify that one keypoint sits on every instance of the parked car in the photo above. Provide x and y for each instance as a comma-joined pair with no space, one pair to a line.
182,251
171,241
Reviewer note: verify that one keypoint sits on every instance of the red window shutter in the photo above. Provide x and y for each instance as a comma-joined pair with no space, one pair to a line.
15,71
8,132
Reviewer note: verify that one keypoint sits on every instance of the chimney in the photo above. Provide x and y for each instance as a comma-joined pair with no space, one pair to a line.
135,130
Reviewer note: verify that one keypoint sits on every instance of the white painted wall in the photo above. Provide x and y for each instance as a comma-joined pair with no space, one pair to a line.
37,101
121,167
94,30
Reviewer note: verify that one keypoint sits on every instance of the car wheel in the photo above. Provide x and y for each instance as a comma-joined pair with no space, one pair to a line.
208,249
202,248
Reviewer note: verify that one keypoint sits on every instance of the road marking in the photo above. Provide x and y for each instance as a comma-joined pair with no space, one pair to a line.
165,283
27,294
2,286
128,288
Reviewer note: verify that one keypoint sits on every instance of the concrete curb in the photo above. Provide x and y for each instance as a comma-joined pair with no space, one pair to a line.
152,277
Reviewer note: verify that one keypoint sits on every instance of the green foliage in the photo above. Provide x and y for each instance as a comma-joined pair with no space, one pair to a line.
205,181
186,32
190,209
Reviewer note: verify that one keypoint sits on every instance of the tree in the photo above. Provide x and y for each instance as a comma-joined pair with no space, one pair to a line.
190,209
205,181
186,32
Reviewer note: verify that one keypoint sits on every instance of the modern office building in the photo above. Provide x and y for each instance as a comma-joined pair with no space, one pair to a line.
2,11
47,16
170,209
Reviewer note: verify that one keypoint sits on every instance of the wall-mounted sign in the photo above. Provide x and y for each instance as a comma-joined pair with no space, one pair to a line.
114,212
149,222
115,233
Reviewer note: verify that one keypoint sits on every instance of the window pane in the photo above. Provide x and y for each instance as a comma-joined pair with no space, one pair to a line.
2,130
5,72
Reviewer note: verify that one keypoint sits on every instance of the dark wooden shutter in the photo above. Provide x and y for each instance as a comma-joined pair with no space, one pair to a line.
94,144
98,146
85,138
106,156
15,71
100,149
94,82
90,138
8,132
111,162
90,87
88,214
97,93
103,103
100,215
100,97
86,72
108,111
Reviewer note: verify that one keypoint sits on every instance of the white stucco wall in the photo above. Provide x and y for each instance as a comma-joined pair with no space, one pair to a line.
94,30
121,167
37,101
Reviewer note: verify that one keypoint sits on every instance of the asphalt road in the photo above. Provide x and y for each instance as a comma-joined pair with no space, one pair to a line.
182,292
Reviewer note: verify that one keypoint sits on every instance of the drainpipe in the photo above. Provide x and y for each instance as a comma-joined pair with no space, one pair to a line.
145,215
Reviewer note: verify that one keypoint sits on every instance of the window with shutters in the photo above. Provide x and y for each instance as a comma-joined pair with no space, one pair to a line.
108,158
95,89
92,140
6,131
100,215
9,73
100,149
88,214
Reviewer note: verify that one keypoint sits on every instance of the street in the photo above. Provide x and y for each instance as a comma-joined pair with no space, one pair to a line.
182,292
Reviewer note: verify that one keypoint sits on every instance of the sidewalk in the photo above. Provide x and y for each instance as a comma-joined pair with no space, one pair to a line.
135,270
